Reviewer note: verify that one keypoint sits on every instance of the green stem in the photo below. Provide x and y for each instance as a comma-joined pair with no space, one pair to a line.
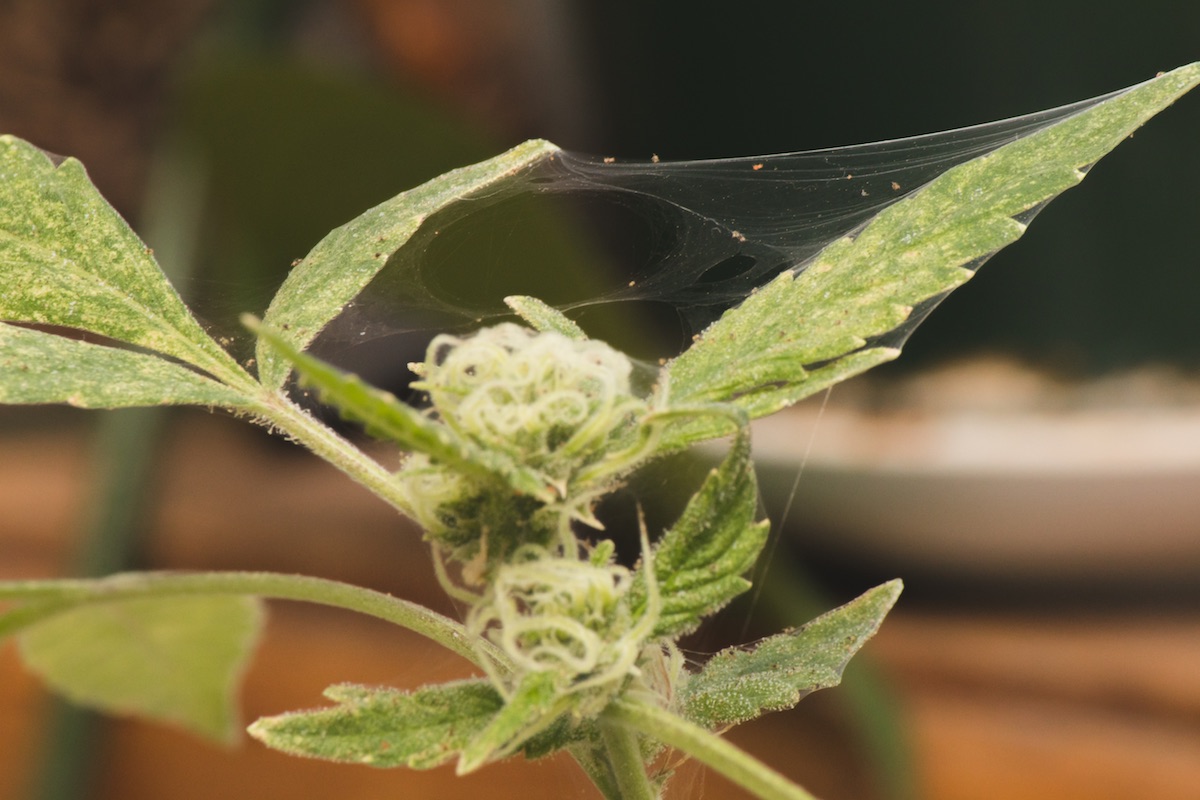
593,760
46,598
625,757
721,755
278,411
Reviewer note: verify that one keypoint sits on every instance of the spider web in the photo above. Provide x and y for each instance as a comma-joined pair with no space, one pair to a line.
646,254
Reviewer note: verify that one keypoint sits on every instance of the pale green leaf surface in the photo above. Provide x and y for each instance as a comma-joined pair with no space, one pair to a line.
385,727
759,355
67,258
738,684
700,561
346,260
545,318
172,659
37,367
386,417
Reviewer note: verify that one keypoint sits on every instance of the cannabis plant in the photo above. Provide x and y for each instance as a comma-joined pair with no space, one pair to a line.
525,425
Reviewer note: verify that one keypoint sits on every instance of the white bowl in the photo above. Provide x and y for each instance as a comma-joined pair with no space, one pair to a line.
1021,493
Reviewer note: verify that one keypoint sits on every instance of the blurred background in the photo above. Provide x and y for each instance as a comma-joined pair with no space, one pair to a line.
1028,466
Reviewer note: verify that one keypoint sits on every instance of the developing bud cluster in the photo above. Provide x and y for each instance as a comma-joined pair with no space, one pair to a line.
570,617
559,407
564,409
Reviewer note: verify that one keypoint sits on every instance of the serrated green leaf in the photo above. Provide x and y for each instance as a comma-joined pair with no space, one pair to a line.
385,417
385,727
173,659
37,367
535,705
699,562
544,318
67,258
738,685
346,260
771,397
763,354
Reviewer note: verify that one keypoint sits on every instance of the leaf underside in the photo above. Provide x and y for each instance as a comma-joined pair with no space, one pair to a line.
172,659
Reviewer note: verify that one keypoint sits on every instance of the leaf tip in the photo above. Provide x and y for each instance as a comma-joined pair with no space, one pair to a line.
259,732
890,592
471,759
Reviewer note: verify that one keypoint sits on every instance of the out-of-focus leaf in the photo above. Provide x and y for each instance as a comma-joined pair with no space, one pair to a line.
173,659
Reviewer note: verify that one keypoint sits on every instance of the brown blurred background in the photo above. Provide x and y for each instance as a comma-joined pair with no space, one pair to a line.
283,119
